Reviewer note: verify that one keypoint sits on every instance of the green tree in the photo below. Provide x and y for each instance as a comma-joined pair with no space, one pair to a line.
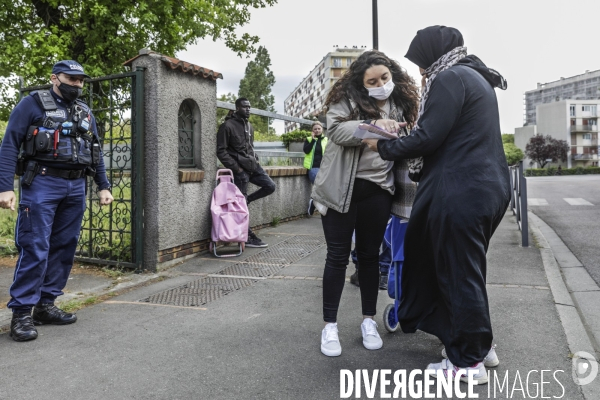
508,138
256,87
222,112
102,34
513,153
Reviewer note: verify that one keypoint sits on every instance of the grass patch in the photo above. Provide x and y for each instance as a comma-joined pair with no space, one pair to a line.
73,305
113,272
276,221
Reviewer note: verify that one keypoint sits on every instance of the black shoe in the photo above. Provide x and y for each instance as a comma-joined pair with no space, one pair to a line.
50,314
311,207
354,278
383,281
254,241
21,328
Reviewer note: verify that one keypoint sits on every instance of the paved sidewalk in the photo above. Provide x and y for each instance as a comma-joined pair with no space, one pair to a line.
260,338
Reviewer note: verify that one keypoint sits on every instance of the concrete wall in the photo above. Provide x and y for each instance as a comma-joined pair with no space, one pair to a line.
175,213
177,219
553,119
522,136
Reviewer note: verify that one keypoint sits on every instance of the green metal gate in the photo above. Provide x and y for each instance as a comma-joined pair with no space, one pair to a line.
113,234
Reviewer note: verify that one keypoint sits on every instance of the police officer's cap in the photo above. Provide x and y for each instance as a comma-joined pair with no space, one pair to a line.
68,67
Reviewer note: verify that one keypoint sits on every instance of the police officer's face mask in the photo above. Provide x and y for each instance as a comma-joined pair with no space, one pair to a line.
68,92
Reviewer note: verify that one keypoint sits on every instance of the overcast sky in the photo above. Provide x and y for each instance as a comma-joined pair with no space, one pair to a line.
527,41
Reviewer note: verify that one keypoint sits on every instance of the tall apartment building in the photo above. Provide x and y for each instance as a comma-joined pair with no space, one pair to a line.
579,87
308,98
575,121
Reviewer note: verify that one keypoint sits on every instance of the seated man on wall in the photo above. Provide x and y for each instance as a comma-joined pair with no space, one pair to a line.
235,151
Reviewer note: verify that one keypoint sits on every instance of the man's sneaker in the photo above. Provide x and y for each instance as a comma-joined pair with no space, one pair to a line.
383,282
479,378
490,361
330,342
48,313
371,339
311,207
354,278
21,327
254,241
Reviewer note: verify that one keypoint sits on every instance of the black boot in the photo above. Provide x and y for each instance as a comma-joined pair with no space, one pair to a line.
21,327
48,313
383,282
354,278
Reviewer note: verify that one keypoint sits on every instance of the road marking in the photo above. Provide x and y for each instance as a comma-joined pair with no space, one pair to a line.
578,202
537,202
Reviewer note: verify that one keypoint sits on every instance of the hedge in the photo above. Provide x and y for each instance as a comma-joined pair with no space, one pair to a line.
297,135
551,171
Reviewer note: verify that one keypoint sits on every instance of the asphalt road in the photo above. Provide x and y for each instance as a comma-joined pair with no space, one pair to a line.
571,206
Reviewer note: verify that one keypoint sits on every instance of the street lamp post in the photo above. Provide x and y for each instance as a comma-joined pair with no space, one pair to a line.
375,28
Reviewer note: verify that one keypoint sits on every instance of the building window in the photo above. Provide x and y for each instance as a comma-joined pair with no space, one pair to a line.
337,62
587,136
186,135
572,110
348,61
590,108
337,73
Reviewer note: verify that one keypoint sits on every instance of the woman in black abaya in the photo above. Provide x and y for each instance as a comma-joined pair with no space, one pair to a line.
457,156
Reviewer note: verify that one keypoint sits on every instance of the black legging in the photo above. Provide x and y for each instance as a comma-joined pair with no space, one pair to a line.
368,215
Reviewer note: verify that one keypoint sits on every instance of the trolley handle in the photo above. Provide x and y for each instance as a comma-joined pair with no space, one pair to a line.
224,173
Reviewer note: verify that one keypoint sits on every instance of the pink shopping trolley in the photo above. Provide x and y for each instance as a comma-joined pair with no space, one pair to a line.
229,214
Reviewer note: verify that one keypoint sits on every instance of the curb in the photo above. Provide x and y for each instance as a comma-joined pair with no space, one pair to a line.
574,316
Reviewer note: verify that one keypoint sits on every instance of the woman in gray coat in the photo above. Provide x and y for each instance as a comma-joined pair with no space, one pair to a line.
354,188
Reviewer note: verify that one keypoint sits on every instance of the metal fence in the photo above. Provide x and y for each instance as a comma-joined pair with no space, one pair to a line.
518,200
113,235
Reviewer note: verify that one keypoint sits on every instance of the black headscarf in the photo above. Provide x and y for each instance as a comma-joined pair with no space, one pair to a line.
431,43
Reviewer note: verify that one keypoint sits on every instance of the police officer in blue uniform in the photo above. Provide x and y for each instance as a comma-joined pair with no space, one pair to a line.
52,142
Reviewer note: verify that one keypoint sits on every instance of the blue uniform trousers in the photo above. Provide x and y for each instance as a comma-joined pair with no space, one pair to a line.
48,227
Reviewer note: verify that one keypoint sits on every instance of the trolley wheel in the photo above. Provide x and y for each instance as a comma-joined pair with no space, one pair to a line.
390,319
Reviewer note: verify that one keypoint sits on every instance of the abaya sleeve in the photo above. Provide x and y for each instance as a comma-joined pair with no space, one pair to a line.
442,110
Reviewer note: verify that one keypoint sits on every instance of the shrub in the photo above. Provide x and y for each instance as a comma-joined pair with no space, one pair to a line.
564,171
294,136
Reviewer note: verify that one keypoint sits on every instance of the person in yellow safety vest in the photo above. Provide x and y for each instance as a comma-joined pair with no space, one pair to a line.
314,148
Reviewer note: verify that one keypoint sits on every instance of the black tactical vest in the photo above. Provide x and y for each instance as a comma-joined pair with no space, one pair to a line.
62,136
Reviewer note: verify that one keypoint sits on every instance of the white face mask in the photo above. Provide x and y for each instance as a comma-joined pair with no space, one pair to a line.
382,92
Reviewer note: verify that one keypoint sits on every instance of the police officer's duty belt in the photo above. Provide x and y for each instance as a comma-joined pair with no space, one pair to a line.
61,173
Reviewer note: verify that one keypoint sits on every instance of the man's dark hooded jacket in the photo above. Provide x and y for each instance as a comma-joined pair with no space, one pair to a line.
234,144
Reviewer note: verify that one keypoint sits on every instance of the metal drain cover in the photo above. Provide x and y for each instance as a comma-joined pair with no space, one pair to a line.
198,292
266,263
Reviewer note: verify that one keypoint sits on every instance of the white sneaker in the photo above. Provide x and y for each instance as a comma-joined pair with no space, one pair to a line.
330,342
490,361
479,378
371,339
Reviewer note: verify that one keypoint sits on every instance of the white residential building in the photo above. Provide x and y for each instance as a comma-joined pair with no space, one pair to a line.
575,121
308,98
579,87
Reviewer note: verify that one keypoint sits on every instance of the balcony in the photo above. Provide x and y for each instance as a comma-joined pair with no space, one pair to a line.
584,157
584,128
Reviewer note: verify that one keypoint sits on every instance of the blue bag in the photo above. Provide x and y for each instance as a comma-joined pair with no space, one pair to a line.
394,238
